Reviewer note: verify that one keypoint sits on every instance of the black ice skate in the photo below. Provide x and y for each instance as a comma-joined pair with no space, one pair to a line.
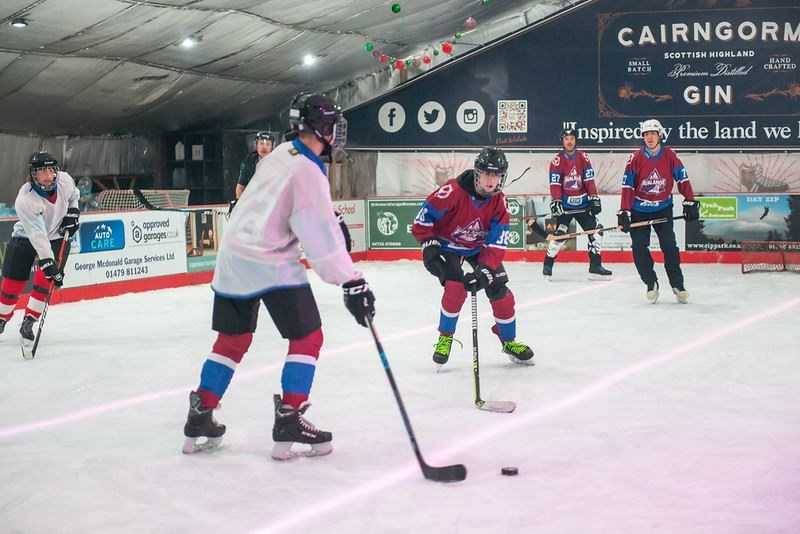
652,292
596,269
547,268
518,352
442,352
681,294
290,428
200,423
26,337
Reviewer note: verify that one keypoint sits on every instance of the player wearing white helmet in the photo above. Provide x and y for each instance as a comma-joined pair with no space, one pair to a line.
647,184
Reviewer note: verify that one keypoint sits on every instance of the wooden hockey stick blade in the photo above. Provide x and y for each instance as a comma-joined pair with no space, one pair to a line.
447,473
496,406
651,222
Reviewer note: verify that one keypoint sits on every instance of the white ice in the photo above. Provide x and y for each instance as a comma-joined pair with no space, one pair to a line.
636,417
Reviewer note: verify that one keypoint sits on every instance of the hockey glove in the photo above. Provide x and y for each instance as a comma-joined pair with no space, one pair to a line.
557,208
482,277
594,205
359,300
624,220
69,224
432,258
52,271
691,210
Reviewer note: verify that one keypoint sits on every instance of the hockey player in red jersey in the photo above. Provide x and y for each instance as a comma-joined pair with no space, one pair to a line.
466,219
286,204
650,174
572,187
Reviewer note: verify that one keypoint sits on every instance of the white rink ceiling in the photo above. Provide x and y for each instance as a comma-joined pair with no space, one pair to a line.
117,66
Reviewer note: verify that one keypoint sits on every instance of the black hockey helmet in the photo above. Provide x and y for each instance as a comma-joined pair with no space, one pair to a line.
318,114
491,160
261,136
569,131
42,160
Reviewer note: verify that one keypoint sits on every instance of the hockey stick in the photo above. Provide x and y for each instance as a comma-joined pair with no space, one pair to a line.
488,405
607,228
450,473
518,177
46,303
146,204
534,216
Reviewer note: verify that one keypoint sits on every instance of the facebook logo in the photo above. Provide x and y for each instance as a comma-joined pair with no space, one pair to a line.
391,117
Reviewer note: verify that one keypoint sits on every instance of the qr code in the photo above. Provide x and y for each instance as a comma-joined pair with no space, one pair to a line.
512,116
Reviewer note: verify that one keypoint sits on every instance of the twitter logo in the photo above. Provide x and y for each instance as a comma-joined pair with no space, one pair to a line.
431,116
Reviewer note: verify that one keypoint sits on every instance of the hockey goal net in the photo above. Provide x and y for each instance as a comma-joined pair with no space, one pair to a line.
770,256
130,199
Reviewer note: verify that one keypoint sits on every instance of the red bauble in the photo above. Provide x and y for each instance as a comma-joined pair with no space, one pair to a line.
399,64
426,59
447,48
383,58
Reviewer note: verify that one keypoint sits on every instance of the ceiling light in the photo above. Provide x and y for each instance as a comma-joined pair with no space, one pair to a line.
20,22
309,60
190,41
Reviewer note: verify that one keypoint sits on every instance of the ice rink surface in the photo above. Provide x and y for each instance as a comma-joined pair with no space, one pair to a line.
636,417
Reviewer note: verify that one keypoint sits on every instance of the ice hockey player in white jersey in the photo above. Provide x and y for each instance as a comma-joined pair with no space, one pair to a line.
47,207
287,203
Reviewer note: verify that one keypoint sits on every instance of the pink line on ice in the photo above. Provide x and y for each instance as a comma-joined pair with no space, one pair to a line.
102,409
322,507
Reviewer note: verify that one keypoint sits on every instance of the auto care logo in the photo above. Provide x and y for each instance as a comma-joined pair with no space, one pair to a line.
100,236
387,223
153,231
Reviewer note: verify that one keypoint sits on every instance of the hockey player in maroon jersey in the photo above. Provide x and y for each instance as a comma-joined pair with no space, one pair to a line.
647,186
572,188
466,219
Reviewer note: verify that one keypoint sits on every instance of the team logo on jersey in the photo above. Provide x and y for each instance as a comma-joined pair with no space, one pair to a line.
472,233
653,184
572,181
100,236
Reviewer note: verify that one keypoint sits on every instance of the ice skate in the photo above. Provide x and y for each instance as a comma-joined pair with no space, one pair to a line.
200,423
681,294
27,337
518,352
290,428
442,352
652,292
547,268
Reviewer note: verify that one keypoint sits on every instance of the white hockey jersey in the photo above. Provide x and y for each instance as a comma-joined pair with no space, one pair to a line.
40,219
287,203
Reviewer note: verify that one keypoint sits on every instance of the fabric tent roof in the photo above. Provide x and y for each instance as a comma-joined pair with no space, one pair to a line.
116,66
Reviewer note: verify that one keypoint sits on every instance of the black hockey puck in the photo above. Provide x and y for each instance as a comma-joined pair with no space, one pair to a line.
509,471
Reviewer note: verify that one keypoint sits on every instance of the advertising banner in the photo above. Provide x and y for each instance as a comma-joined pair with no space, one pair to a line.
204,229
726,221
721,77
110,247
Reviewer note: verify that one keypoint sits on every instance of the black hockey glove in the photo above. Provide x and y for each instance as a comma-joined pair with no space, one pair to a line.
359,300
624,220
691,210
52,271
482,277
69,224
432,258
594,205
557,208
